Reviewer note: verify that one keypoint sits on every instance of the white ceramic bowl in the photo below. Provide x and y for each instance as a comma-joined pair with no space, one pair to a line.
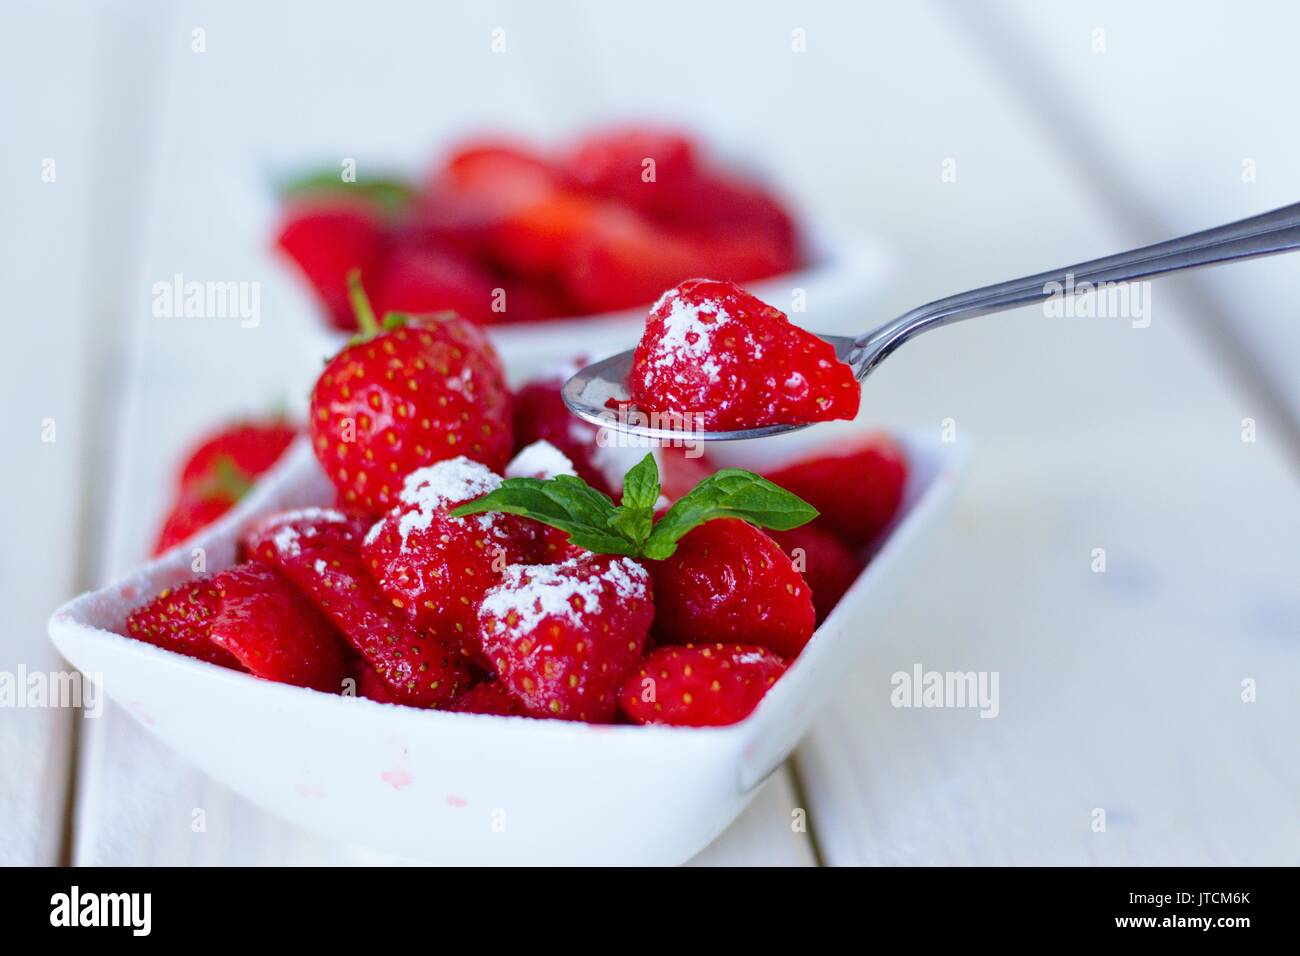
470,789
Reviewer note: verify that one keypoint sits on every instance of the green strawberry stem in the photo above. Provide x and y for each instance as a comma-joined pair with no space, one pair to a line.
367,324
592,520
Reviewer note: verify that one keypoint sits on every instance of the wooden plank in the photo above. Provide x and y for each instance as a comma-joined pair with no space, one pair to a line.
1119,691
48,173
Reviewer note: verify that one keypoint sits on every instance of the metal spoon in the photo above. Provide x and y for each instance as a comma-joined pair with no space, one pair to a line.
587,393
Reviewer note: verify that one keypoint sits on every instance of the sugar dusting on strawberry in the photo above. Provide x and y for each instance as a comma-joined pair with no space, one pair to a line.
715,353
561,637
433,567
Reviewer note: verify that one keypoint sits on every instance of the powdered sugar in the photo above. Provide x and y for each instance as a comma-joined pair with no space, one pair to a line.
434,488
529,593
287,538
541,459
687,337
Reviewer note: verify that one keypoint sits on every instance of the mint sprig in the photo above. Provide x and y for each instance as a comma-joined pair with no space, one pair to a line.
594,522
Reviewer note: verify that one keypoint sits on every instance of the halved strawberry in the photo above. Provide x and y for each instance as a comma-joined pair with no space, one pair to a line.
728,581
563,636
248,618
319,550
434,567
856,486
704,685
426,389
827,565
179,619
327,242
718,354
275,632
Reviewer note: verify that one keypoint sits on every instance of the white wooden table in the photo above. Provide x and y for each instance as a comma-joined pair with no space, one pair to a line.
1119,691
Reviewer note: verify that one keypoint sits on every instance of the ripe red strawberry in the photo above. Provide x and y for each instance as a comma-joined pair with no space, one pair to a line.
428,389
319,550
728,581
248,618
179,619
827,565
190,515
705,685
714,351
219,472
327,241
434,567
418,279
490,697
541,415
249,447
275,632
612,163
857,488
563,636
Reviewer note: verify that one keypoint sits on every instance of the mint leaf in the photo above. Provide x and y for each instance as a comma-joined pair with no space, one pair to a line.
730,493
592,521
565,502
636,513
386,194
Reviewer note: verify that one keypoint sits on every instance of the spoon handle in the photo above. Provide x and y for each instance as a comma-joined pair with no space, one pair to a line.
1263,235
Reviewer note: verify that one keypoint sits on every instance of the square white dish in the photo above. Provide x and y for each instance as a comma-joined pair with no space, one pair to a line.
470,789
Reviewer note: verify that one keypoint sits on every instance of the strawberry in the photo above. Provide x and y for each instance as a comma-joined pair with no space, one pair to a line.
219,472
275,632
327,241
249,448
248,618
716,353
490,697
541,415
425,389
179,619
543,460
857,488
563,636
613,163
435,568
190,515
728,581
827,565
430,279
706,685
319,550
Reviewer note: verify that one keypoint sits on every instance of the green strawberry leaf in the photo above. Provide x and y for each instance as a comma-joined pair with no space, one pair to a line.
386,194
636,513
593,522
565,502
730,493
